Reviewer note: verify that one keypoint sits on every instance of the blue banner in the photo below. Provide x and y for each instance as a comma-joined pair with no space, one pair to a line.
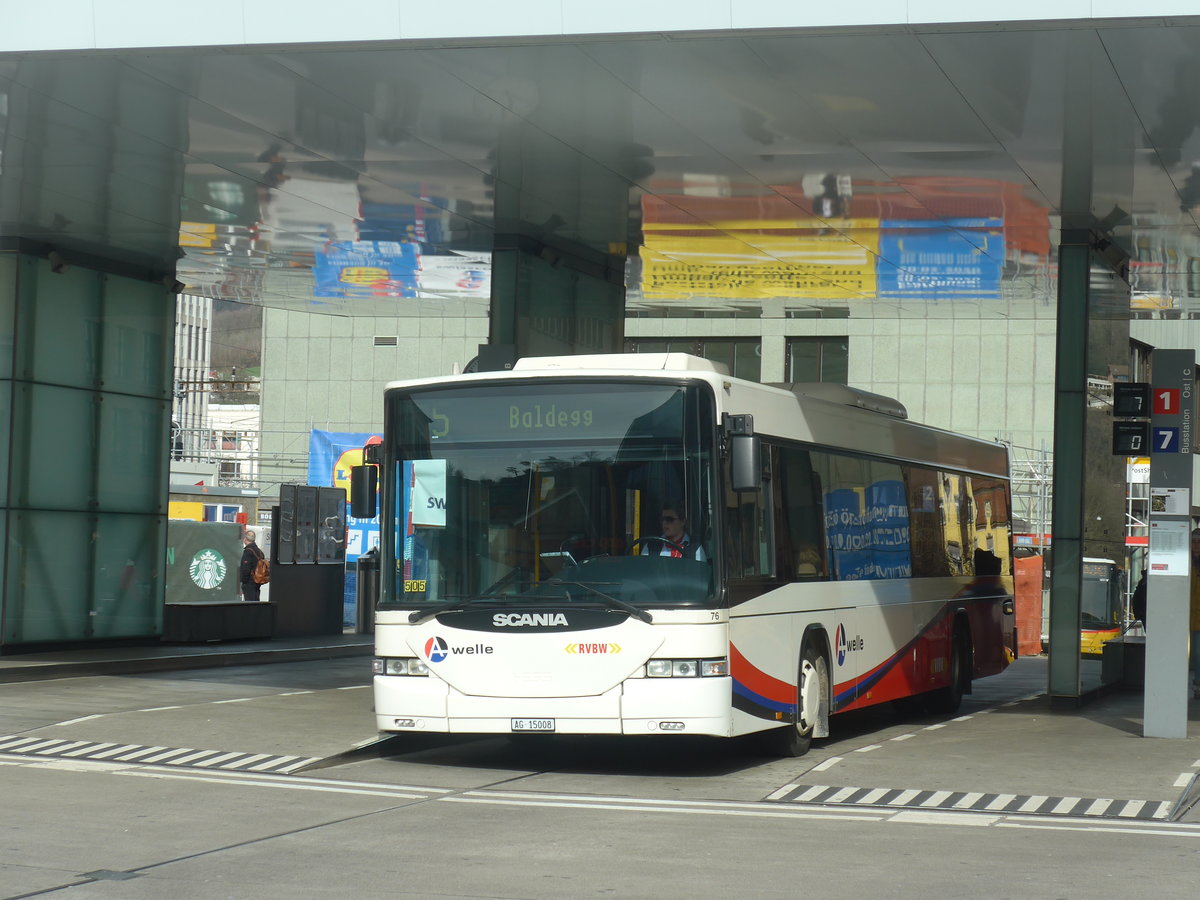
331,454
935,259
366,269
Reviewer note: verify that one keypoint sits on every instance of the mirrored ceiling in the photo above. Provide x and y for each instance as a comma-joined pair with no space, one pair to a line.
906,168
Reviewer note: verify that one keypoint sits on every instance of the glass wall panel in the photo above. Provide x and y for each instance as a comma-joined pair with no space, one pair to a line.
48,587
60,341
127,584
132,448
5,426
54,447
8,304
138,329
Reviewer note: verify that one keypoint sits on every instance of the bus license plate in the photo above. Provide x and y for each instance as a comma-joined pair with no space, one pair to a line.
532,724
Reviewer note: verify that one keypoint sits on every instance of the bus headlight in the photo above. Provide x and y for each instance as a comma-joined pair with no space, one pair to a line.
403,665
658,668
687,668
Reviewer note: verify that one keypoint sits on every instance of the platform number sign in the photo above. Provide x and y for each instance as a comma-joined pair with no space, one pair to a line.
1166,401
1166,440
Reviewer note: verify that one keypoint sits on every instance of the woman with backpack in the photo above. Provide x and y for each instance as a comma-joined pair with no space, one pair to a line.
251,556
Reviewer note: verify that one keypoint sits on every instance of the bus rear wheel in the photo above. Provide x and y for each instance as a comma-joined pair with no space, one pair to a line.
812,692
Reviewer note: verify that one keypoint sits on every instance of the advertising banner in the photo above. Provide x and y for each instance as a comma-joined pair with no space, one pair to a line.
961,258
202,561
754,260
331,454
363,269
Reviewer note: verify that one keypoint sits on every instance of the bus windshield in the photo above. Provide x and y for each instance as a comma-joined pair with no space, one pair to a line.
535,494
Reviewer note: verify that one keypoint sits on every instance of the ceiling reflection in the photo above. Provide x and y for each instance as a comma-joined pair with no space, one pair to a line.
924,172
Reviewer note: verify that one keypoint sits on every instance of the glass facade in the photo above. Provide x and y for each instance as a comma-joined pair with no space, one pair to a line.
85,398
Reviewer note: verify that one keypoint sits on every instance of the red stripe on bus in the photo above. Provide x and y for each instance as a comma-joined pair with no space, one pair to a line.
759,681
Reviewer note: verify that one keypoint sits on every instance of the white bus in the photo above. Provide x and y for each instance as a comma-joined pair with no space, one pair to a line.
641,544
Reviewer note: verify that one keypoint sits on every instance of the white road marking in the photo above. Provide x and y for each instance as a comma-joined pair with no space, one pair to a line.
273,761
72,745
756,809
1184,780
191,757
935,726
811,792
77,721
937,798
828,764
214,778
1032,803
903,737
139,753
968,801
104,754
236,700
914,817
869,748
771,813
224,757
158,708
1065,804
1001,801
158,757
782,792
1099,826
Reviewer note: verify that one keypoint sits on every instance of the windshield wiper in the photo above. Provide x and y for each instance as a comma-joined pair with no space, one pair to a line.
608,598
420,615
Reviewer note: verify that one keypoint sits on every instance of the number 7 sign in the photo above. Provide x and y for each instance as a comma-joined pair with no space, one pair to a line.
1166,440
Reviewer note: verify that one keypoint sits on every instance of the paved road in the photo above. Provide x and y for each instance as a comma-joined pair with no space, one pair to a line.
230,783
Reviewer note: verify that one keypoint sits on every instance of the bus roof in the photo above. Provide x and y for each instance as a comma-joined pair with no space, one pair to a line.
834,416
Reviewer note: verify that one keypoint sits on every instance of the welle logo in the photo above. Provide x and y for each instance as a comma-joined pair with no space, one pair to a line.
845,646
437,649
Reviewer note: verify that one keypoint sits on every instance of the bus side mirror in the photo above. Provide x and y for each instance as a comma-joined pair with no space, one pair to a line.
745,462
364,485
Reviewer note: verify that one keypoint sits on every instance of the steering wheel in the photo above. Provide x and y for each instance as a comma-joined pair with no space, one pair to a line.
662,540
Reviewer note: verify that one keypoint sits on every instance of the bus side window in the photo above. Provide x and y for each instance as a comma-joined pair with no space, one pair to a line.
801,542
749,521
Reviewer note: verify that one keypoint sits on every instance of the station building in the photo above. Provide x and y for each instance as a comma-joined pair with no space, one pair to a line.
954,208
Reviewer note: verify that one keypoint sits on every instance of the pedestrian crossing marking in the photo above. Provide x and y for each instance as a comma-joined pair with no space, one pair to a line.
973,801
139,754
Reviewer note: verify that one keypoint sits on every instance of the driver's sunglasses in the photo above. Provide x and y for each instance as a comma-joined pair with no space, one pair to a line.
669,519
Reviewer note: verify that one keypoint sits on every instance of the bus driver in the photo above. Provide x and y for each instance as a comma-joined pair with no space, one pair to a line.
675,540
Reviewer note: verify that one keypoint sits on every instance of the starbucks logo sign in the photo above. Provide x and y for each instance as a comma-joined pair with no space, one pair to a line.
207,569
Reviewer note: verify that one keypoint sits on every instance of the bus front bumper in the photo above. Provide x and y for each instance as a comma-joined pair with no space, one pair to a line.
638,706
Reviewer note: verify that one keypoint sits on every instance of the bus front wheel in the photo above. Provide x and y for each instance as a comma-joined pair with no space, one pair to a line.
812,693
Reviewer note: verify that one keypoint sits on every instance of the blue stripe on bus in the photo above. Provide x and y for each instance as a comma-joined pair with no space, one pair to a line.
759,700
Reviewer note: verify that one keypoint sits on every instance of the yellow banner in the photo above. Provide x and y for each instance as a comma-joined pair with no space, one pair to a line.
755,260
